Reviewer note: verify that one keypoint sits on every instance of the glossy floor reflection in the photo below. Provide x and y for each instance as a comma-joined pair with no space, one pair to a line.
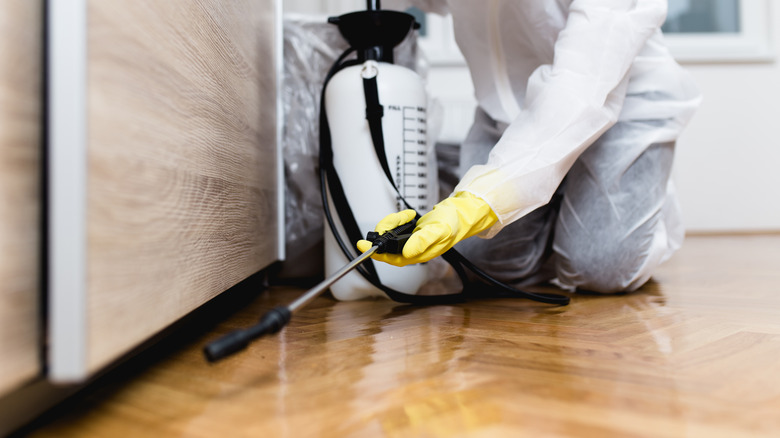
694,353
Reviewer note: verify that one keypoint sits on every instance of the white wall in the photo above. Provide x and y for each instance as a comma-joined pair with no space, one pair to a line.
728,159
325,7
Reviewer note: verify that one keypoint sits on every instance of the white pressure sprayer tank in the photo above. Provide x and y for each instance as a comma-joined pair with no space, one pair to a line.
370,195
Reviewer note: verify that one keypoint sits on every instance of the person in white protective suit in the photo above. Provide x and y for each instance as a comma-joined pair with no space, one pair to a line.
566,170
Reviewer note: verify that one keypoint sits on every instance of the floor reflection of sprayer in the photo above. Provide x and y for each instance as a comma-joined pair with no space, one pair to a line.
373,160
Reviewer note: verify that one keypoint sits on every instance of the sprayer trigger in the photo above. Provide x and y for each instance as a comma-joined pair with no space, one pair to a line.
392,241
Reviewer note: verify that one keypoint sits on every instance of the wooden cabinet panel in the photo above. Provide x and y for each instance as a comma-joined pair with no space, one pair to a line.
20,135
181,186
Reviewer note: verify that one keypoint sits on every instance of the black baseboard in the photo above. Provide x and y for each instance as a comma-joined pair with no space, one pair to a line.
40,402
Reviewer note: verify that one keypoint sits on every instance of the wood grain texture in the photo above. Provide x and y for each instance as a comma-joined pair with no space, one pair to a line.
693,353
20,166
182,174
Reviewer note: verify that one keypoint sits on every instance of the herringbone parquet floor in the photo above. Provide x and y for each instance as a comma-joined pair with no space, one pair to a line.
695,353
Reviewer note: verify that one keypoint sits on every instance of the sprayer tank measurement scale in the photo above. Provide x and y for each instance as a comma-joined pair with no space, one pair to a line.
411,168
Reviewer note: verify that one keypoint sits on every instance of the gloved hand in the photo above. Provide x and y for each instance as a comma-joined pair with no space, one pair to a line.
451,220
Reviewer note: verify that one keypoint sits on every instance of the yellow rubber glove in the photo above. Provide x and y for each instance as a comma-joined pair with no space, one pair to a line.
451,220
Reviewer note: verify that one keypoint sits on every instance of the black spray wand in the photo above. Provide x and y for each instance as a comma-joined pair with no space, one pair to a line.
275,319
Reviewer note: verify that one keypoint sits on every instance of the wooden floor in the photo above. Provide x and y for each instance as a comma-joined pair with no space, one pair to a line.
695,353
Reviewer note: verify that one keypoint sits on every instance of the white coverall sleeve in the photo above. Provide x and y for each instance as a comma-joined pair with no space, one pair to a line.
568,105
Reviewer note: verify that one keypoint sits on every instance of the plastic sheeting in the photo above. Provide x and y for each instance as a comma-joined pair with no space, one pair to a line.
311,46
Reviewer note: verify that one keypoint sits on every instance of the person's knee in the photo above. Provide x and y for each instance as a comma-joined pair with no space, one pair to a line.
605,267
